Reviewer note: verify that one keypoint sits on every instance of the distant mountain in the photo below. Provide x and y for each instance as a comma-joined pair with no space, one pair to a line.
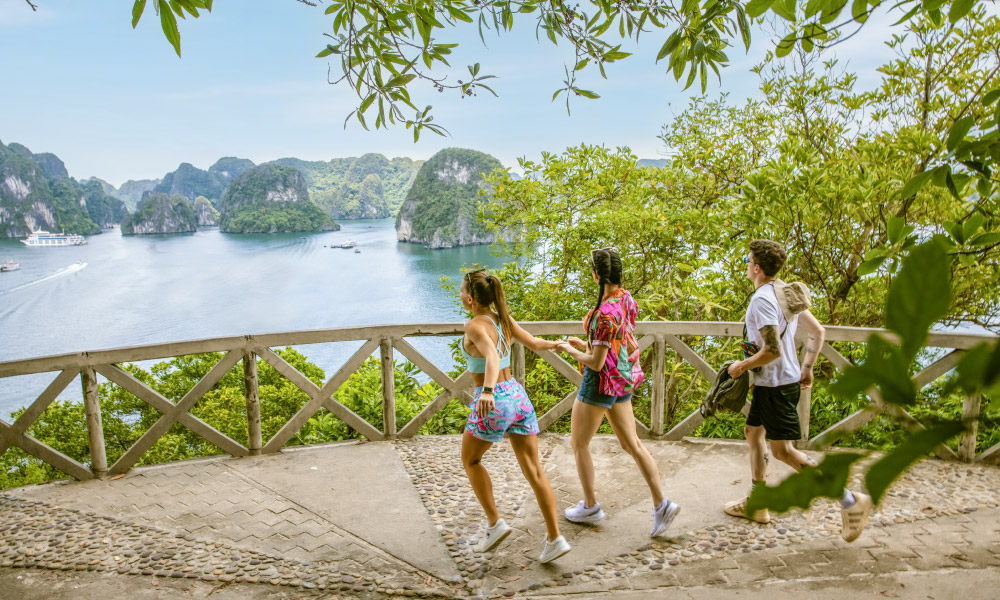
36,193
271,198
190,181
440,210
159,214
367,187
652,162
207,215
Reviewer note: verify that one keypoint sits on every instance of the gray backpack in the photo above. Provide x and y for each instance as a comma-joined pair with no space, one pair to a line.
726,393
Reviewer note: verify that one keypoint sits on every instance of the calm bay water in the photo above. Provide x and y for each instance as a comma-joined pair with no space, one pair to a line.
150,289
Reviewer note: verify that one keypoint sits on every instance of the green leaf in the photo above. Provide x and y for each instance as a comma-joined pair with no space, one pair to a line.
400,80
958,131
979,369
756,8
786,45
991,96
870,266
985,239
959,8
972,225
785,9
859,10
169,25
914,184
884,367
919,296
586,93
826,480
881,475
669,46
137,8
897,230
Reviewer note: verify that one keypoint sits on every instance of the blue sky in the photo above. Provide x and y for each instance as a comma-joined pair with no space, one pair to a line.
118,104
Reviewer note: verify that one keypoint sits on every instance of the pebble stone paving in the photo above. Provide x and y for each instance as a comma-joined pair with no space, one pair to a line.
36,534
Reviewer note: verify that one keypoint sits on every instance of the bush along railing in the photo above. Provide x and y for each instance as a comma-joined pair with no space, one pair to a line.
655,339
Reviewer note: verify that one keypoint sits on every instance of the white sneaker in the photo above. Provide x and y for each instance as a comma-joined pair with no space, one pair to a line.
582,514
493,536
663,515
554,549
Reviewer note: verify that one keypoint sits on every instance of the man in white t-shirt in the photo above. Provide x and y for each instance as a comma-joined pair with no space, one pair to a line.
778,381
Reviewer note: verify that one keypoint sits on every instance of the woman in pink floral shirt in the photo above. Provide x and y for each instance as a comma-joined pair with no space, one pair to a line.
610,361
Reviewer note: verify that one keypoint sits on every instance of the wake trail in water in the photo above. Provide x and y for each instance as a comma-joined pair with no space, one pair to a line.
60,273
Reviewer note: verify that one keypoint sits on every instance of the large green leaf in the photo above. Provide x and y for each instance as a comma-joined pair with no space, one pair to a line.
884,367
756,8
137,8
881,475
827,480
169,24
919,296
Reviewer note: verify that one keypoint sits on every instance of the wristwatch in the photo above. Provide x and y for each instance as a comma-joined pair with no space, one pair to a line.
487,390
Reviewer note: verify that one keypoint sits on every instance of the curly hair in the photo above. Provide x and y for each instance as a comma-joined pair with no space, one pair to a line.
769,255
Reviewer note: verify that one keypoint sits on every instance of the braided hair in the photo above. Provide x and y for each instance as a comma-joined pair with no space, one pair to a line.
607,265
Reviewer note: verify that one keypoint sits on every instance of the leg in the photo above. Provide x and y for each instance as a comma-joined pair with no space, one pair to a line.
758,451
526,450
583,425
788,454
473,450
622,420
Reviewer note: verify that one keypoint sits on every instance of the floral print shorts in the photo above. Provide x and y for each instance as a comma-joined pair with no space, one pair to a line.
512,413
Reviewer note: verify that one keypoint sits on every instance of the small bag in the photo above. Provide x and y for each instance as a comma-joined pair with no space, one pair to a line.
726,393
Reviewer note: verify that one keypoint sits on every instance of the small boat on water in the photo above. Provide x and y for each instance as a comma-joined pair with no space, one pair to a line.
347,244
357,250
51,240
10,265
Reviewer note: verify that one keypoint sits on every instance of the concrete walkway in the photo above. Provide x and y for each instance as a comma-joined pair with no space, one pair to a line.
398,519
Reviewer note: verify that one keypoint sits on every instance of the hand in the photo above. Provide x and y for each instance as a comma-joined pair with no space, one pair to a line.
736,369
576,343
563,347
551,344
807,377
485,404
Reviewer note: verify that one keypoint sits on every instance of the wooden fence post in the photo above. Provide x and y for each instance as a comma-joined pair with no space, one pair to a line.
517,362
970,416
95,430
659,386
252,395
388,389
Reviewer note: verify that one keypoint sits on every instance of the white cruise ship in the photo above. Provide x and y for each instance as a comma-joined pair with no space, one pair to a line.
46,239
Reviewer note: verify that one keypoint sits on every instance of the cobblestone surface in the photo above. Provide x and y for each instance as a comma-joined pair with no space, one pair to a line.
935,517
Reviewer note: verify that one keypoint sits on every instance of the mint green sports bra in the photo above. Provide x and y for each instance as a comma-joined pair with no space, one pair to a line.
478,365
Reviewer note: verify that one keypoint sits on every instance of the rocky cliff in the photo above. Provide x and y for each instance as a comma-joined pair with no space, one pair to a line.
207,215
132,191
160,213
271,198
441,206
38,194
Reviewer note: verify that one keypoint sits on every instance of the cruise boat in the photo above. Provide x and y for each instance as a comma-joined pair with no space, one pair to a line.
46,239
10,265
347,244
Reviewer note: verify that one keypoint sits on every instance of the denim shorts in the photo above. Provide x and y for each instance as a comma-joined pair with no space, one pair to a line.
512,413
590,391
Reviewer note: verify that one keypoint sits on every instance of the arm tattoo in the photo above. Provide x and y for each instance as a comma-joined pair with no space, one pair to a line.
770,335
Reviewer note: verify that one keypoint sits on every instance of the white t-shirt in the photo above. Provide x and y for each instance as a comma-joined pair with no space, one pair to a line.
764,310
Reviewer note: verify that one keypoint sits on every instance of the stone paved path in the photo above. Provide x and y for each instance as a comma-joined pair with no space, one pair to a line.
399,519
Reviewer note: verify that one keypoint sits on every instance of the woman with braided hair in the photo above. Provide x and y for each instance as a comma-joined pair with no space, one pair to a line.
610,361
501,408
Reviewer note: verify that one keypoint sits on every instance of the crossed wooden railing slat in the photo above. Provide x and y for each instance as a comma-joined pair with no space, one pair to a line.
388,340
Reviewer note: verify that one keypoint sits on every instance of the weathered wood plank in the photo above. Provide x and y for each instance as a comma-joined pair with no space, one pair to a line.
552,415
562,367
693,358
989,456
140,390
685,427
318,397
36,409
388,389
970,416
251,394
48,454
95,430
938,368
167,419
442,399
517,362
423,363
657,401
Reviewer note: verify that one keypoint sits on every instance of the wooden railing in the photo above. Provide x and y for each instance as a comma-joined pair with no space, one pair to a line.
388,340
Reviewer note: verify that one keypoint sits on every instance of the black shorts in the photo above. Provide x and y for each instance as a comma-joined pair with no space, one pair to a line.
777,409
